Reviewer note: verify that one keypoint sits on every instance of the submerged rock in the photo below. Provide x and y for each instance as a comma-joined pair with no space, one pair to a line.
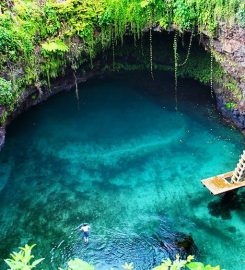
187,244
182,244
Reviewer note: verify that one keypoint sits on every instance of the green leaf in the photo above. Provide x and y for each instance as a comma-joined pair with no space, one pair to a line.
144,3
36,262
128,266
78,264
209,267
164,266
22,260
190,258
55,46
161,267
195,266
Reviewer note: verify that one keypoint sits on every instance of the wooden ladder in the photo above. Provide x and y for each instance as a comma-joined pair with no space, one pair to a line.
239,172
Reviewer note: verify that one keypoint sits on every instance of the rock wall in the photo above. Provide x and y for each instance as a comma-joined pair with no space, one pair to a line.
64,83
2,136
229,50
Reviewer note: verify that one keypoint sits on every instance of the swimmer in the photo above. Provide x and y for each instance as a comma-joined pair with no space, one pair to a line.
85,229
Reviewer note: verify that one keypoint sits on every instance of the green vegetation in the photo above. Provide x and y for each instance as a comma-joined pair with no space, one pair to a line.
190,61
40,40
77,264
22,261
6,94
230,105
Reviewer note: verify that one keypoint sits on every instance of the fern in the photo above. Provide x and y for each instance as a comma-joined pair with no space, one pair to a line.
55,46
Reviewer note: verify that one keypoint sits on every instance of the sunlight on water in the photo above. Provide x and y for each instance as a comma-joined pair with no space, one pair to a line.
128,164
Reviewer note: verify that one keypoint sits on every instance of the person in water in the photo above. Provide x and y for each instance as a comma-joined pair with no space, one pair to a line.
85,229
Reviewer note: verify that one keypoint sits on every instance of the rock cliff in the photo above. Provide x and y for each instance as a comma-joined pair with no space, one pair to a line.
229,50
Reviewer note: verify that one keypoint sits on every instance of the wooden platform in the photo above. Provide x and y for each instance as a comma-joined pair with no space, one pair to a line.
220,184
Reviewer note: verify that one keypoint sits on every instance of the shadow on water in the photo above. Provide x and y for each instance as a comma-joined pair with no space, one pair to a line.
226,204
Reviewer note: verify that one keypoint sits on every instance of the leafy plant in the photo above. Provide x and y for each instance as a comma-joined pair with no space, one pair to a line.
201,266
55,46
6,94
179,264
184,14
3,117
22,260
230,105
128,266
77,264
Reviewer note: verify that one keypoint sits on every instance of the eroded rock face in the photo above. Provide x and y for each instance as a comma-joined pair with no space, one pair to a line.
2,130
2,136
32,96
229,51
230,48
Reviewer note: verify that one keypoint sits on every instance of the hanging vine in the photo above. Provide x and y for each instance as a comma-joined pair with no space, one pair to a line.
175,47
150,40
211,67
91,50
48,77
74,68
76,87
113,48
141,45
151,55
188,51
73,58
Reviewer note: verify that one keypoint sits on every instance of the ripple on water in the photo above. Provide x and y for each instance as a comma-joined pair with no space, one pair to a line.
116,246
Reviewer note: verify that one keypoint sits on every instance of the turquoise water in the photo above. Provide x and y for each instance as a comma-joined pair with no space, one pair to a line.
126,162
